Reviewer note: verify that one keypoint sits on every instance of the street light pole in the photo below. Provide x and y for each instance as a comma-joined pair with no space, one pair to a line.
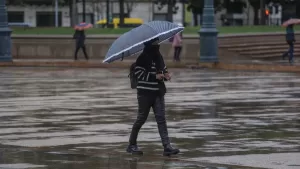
262,12
5,35
208,34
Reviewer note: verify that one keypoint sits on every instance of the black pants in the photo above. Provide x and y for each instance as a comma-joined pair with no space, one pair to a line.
158,105
290,51
81,45
177,51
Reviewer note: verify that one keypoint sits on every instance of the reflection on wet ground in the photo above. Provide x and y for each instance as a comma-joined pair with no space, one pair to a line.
81,118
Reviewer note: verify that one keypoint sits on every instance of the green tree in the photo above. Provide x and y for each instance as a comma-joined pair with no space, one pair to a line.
256,6
171,5
236,6
197,6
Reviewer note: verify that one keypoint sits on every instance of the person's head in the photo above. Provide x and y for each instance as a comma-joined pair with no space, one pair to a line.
151,52
152,46
151,43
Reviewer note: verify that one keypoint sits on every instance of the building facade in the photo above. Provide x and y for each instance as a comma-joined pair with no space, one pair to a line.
44,16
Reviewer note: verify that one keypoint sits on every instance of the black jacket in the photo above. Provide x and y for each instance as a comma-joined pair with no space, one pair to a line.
148,64
80,37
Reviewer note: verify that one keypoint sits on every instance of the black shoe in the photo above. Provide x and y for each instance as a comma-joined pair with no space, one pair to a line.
133,149
169,150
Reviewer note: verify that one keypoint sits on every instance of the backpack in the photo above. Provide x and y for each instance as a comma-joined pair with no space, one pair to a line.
132,77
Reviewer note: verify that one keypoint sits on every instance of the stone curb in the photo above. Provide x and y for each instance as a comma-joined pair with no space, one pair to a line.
125,65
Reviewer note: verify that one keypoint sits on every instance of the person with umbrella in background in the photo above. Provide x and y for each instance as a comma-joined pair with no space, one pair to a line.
290,38
177,45
79,36
147,75
151,72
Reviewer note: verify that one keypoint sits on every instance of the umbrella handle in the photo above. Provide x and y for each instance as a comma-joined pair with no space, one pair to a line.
122,56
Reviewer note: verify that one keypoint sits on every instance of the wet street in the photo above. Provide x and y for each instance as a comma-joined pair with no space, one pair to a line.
81,119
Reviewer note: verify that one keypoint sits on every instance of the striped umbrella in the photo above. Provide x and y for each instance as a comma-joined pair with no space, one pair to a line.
83,26
133,41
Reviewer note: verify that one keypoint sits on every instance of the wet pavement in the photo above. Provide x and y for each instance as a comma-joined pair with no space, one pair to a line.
81,118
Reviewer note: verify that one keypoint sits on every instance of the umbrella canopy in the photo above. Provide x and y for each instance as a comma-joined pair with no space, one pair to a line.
291,22
83,26
133,41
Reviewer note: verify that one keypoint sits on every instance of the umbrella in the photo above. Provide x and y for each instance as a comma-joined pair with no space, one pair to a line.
83,26
133,41
291,22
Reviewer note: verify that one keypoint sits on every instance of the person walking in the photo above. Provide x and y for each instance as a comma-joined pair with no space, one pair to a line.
290,39
177,45
151,72
79,36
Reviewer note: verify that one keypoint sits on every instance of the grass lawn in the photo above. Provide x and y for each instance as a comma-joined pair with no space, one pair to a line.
188,30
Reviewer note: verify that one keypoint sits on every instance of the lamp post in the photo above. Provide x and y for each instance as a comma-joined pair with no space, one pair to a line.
56,13
5,32
208,34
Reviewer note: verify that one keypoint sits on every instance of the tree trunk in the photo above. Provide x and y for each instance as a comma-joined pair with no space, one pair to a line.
107,13
262,12
256,19
121,6
83,10
129,6
71,12
195,18
170,11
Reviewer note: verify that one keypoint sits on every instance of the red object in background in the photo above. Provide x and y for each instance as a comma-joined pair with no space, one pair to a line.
267,12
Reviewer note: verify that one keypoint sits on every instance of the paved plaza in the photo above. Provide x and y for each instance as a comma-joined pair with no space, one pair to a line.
81,118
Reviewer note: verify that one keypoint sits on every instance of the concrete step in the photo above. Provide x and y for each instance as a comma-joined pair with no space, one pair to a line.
252,48
272,55
251,40
259,52
253,44
261,48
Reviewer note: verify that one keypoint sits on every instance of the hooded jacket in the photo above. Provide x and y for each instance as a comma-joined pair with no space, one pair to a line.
290,35
148,64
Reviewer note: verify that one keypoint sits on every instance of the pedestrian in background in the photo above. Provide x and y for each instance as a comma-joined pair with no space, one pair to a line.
290,39
79,36
177,45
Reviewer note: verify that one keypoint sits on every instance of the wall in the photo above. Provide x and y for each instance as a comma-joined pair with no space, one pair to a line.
62,47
